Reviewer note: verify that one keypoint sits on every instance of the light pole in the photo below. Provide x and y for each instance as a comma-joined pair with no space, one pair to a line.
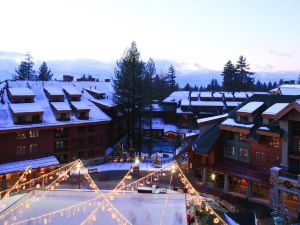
173,170
78,169
137,162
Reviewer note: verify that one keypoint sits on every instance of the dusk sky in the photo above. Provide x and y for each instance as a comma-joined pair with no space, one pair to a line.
196,34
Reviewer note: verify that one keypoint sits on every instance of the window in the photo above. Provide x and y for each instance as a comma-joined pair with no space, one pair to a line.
61,132
21,150
59,145
20,119
33,148
91,128
63,116
21,135
274,160
242,137
244,153
33,133
82,115
81,129
35,118
259,157
229,150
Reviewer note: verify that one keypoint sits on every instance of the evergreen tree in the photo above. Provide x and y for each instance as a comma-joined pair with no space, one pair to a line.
25,69
187,87
171,79
45,73
258,86
230,81
281,82
128,91
244,75
149,73
270,86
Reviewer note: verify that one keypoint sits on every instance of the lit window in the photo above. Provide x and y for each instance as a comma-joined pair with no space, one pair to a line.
21,150
229,150
244,153
21,135
33,148
34,133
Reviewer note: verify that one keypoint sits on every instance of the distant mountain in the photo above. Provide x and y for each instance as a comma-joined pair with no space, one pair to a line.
192,73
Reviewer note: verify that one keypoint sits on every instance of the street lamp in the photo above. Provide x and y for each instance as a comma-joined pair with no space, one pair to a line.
137,162
78,166
173,170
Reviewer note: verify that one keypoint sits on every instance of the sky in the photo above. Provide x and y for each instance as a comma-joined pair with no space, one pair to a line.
198,35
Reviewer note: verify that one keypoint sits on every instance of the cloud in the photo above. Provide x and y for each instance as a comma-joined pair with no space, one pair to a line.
283,54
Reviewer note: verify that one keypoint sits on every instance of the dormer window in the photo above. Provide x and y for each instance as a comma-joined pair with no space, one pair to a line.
97,94
81,110
62,110
72,93
54,94
20,95
249,110
26,113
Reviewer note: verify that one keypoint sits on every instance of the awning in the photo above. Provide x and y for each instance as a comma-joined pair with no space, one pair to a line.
22,165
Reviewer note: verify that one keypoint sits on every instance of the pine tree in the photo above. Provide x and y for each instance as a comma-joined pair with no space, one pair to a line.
128,90
229,77
187,87
149,72
171,79
25,69
45,73
244,75
270,86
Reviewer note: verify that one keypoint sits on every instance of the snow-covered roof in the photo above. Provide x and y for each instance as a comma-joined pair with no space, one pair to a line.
264,128
99,92
212,118
232,123
71,90
61,106
54,91
26,108
33,163
290,89
20,91
49,118
208,103
274,109
250,107
233,104
194,94
170,128
105,102
176,96
79,105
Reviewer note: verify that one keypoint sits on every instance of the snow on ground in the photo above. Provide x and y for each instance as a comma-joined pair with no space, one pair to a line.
138,208
126,166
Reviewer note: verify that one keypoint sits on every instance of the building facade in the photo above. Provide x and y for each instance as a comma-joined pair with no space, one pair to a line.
236,155
55,118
